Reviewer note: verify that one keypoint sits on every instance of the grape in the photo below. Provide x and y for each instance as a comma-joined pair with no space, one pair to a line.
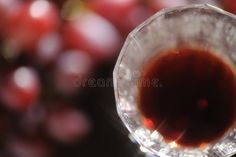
48,48
48,53
31,120
116,11
139,14
25,147
33,19
67,125
156,5
7,7
20,88
93,34
71,66
229,5
212,2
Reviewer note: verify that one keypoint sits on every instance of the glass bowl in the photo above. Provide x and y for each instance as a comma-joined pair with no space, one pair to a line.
199,25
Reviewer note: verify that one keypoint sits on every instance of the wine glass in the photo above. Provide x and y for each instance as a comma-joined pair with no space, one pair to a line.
202,24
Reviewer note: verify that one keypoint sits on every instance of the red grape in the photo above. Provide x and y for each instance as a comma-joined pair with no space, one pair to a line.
20,88
212,2
71,66
139,14
48,48
23,147
116,11
32,118
67,125
229,5
93,34
156,5
48,52
23,28
7,7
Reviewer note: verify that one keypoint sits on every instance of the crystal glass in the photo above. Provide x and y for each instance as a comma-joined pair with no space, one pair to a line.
202,25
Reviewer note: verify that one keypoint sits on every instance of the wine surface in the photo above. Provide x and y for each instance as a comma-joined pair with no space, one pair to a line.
194,101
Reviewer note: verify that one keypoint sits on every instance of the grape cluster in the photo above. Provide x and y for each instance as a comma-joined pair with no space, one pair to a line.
46,48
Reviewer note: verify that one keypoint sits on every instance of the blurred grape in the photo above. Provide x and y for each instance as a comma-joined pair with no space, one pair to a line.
33,118
20,88
23,147
93,34
23,28
67,125
71,66
160,4
116,11
7,8
48,48
212,2
229,5
139,14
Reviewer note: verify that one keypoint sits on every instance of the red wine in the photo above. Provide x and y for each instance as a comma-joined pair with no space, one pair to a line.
195,100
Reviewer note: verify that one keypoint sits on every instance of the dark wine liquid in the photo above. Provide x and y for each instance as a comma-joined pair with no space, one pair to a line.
194,101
